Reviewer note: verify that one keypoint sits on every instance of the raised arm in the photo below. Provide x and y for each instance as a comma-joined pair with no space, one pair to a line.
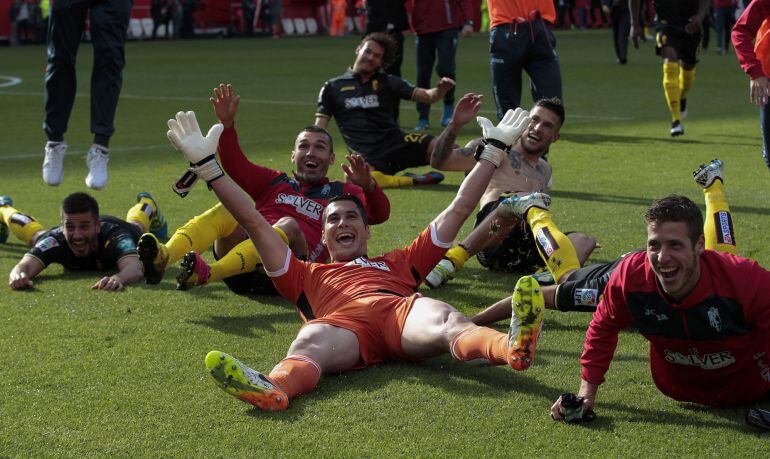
446,154
497,140
432,95
22,274
186,136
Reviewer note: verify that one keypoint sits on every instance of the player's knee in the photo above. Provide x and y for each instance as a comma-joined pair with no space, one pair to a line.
454,323
584,245
290,228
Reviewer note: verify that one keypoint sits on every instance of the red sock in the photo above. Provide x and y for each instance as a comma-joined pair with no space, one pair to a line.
480,343
296,375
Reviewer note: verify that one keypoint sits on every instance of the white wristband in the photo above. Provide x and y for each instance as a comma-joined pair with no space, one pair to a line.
492,154
209,170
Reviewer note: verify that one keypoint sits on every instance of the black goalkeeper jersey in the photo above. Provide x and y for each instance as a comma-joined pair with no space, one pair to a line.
365,112
675,12
117,239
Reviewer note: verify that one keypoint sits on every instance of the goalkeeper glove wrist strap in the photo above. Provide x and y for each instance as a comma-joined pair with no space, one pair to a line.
208,169
491,153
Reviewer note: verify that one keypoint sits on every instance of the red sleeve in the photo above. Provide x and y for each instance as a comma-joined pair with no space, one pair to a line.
759,304
744,33
467,8
250,177
610,318
376,202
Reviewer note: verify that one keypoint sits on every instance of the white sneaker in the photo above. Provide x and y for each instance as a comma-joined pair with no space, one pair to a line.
519,205
53,164
97,160
440,274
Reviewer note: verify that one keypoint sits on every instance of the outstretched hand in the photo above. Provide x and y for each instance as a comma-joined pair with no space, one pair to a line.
467,108
759,90
185,134
508,129
18,280
225,104
358,172
444,85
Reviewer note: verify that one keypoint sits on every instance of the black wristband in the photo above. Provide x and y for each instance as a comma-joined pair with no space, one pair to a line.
484,143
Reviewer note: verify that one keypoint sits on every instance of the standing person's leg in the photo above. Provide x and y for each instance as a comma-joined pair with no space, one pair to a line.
66,26
426,58
506,51
543,66
446,47
719,23
108,25
624,30
395,67
764,124
615,18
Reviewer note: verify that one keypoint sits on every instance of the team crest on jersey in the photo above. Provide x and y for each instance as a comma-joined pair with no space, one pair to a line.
724,224
546,242
370,101
47,243
303,205
586,297
375,83
714,320
381,265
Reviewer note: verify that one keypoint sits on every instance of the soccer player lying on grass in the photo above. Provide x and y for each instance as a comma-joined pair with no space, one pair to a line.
581,289
364,101
705,313
84,241
361,311
292,205
508,242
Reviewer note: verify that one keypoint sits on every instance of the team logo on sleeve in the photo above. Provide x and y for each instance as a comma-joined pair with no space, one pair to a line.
20,219
724,225
586,297
47,243
546,242
126,244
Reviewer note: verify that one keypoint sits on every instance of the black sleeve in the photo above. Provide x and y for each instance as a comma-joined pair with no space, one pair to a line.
326,101
48,249
120,245
402,88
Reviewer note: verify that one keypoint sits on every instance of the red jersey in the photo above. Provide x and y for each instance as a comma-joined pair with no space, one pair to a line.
319,289
745,33
713,348
276,195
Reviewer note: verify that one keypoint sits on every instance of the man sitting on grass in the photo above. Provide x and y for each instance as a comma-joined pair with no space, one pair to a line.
84,241
361,311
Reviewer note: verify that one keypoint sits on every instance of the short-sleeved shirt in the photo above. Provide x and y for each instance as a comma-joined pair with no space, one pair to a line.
675,12
365,112
712,348
116,240
319,289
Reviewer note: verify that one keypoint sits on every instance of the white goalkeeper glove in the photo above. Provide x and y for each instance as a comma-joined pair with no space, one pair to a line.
185,134
498,139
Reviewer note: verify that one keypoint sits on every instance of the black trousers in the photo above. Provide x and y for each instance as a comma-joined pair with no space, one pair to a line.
621,28
443,45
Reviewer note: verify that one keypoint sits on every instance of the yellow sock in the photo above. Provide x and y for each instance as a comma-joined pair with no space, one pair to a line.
686,80
554,246
458,255
142,212
21,225
671,88
243,258
718,227
391,181
199,233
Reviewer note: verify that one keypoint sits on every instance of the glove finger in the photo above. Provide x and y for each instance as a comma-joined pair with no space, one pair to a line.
175,140
214,133
520,124
193,123
508,117
181,121
176,127
485,124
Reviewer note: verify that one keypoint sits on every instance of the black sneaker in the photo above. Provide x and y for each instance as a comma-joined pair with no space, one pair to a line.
676,129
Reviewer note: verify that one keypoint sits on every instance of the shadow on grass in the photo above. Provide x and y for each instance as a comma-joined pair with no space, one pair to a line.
596,138
245,326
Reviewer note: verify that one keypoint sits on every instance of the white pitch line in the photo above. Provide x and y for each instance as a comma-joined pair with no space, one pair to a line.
11,81
112,150
286,102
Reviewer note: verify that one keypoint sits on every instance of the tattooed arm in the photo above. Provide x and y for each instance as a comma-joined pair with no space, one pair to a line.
445,154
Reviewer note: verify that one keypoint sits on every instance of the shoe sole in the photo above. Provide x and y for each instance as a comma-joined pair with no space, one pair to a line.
528,306
228,372
147,248
704,168
188,271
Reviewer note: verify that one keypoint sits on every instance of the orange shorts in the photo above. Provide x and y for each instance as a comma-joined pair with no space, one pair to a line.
378,322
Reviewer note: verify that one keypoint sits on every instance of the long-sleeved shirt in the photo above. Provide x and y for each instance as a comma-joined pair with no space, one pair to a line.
744,34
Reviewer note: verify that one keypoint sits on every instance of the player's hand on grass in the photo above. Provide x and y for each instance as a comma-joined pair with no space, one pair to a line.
358,172
467,108
108,283
759,90
225,104
18,280
508,129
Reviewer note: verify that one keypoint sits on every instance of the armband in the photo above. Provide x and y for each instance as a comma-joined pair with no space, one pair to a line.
208,169
491,150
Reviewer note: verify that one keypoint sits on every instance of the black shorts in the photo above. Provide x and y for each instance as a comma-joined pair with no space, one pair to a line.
256,282
686,45
517,253
585,286
401,152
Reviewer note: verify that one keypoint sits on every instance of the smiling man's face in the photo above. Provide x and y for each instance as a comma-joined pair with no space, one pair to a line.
312,157
674,258
345,231
81,231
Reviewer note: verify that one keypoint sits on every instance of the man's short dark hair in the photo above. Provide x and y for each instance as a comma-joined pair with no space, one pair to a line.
354,200
314,128
388,45
676,208
555,105
78,203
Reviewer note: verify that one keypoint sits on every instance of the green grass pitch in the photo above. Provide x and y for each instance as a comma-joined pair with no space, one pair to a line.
105,374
